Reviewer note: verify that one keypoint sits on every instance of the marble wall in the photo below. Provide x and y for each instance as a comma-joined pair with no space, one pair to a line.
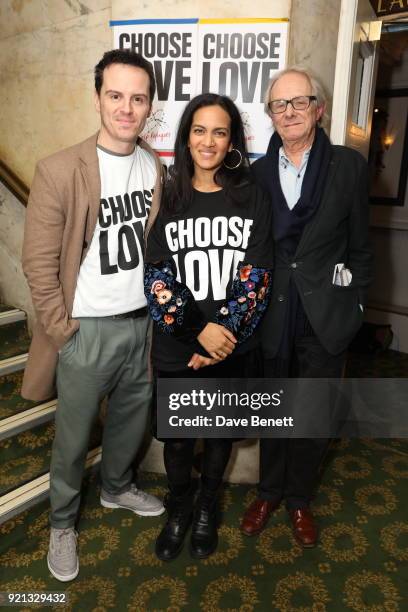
47,52
313,40
13,286
205,9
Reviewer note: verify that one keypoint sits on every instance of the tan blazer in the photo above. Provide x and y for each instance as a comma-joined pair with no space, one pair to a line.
61,216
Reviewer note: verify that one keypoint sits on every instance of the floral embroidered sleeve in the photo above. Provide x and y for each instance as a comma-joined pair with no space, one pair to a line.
246,301
171,304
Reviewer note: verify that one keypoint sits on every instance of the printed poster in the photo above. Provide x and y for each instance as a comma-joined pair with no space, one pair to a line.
236,58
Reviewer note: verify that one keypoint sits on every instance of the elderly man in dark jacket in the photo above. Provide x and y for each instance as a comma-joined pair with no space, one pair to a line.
319,197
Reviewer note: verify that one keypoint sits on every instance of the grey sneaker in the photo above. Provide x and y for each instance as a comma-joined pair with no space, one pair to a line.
134,499
62,556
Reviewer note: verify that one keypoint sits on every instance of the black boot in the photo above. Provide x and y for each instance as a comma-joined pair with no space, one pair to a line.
171,538
204,536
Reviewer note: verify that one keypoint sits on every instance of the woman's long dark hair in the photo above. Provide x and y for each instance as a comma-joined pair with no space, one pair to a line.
178,190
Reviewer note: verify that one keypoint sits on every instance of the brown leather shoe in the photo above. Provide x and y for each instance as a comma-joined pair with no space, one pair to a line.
257,516
304,527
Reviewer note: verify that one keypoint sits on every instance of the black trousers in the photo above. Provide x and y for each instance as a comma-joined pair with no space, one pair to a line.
179,452
289,469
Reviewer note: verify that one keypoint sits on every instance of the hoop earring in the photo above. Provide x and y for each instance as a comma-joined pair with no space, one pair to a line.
238,164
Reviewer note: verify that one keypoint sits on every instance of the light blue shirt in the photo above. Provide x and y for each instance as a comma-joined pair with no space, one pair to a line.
291,178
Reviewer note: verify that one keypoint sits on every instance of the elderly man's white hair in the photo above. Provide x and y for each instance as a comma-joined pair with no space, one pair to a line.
317,87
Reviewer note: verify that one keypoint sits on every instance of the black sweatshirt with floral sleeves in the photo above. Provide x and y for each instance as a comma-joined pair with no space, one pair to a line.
211,263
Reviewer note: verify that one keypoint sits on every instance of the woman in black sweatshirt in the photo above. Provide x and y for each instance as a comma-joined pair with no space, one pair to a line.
207,280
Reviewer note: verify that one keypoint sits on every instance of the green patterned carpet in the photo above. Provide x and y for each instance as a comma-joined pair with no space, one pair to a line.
27,455
11,401
4,307
360,563
13,339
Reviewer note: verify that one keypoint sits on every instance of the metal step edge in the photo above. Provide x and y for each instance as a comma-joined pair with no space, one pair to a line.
12,316
36,490
22,421
13,364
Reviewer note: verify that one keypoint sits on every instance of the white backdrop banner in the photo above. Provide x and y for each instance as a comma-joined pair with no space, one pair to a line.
235,58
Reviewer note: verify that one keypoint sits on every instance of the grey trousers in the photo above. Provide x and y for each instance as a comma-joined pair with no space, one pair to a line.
105,357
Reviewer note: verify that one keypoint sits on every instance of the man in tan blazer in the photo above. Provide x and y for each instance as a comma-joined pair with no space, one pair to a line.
83,258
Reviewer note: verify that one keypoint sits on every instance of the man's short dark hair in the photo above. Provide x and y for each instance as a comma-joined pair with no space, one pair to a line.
124,56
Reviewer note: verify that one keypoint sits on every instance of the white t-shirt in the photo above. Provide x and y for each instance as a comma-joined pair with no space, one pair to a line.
110,279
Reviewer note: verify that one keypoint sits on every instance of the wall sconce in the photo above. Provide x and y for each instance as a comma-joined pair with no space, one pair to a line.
388,140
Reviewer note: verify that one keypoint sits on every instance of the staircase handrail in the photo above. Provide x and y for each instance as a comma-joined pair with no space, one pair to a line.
14,183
